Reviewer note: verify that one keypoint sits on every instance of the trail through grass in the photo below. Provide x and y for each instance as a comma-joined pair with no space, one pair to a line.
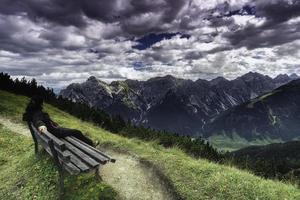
14,127
130,178
134,180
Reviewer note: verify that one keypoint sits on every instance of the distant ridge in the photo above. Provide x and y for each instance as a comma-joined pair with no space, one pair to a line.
170,103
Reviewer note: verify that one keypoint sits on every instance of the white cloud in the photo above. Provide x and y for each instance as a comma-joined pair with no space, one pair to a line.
57,54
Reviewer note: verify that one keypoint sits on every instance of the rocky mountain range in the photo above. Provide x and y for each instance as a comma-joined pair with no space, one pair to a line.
273,115
173,104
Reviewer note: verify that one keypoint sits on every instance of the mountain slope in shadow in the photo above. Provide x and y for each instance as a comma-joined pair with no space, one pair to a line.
273,115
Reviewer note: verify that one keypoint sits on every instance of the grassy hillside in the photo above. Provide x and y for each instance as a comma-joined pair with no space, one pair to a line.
235,142
22,176
191,178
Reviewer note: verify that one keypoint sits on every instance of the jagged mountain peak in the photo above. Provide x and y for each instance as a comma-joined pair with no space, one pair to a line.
280,76
163,78
294,76
218,80
117,83
253,75
95,80
144,102
92,78
202,81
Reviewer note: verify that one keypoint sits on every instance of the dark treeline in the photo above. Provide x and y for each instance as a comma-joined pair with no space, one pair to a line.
277,160
279,168
195,147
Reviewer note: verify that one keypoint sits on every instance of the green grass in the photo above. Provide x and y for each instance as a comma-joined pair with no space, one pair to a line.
194,179
261,98
23,176
226,143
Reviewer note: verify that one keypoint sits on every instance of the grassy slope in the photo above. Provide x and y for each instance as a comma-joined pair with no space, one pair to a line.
226,143
22,176
192,179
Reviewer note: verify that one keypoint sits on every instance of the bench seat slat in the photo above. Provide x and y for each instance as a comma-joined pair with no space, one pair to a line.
88,151
67,165
56,141
70,167
85,159
78,163
76,160
64,155
95,149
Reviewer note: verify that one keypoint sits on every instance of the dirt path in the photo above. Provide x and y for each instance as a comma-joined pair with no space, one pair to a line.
14,127
133,180
130,178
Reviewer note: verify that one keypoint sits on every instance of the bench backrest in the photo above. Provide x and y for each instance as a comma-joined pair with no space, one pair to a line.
73,155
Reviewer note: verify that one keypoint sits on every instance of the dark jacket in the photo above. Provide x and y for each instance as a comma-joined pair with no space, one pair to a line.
40,118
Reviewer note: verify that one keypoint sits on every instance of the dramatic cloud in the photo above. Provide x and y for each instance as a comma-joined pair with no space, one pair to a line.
58,42
281,25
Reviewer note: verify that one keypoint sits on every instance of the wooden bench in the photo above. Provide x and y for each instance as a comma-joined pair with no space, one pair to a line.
69,154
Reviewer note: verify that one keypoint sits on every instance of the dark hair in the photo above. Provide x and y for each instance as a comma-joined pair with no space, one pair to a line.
36,103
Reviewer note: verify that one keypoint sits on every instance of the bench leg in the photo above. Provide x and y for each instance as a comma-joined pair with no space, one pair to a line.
36,149
36,146
59,168
97,175
61,184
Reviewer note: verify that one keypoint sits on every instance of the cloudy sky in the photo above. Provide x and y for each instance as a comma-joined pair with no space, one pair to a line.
63,41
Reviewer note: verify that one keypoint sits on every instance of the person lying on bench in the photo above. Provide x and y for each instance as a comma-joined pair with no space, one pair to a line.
43,122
